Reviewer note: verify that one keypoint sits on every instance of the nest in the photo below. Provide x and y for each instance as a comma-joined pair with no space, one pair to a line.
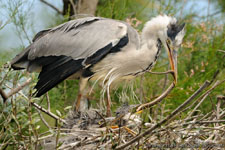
92,130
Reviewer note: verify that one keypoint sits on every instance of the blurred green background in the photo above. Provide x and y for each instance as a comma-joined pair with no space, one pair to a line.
201,55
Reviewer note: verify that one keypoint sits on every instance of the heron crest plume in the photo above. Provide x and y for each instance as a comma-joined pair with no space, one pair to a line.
157,27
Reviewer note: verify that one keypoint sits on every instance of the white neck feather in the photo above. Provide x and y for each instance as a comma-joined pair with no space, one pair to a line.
156,28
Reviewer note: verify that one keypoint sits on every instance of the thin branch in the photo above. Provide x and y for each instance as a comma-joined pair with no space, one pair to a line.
48,113
157,100
44,110
17,89
206,84
48,102
13,91
203,97
74,6
205,122
52,6
43,120
221,51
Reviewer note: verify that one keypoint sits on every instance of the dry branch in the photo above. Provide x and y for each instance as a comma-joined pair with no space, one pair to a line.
47,112
206,84
157,100
17,89
162,96
13,91
205,122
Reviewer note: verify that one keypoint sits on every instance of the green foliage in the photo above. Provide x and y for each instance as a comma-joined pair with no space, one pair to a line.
198,60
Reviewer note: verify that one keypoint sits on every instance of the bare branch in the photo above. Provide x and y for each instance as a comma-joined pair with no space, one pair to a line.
48,113
43,120
203,97
48,102
52,6
206,84
223,51
13,91
17,89
205,122
157,100
74,6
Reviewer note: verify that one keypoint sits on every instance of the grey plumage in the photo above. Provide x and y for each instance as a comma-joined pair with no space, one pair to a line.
97,48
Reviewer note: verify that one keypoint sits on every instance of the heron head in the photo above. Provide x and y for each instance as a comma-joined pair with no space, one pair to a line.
170,33
175,34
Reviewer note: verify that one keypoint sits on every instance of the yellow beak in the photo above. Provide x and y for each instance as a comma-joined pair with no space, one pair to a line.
172,54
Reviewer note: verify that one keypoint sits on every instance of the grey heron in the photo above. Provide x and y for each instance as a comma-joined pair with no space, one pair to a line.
96,48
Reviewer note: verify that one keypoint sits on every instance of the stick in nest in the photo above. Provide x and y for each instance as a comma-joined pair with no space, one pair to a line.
206,84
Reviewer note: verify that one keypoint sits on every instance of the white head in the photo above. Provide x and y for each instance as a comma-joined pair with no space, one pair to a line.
169,32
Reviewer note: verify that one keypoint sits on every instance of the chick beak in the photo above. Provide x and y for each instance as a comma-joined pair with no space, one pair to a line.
172,54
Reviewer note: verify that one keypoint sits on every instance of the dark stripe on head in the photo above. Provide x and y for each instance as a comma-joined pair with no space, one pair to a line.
174,29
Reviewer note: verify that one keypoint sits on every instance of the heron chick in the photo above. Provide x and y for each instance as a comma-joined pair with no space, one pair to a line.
96,48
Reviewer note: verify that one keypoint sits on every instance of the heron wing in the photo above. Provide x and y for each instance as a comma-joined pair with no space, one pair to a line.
70,47
78,38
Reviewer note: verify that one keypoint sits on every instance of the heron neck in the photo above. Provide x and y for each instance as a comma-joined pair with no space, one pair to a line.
149,53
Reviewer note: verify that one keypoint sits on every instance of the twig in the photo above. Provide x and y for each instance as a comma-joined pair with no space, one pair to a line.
17,89
205,122
203,97
157,100
43,120
74,6
52,6
48,102
44,110
13,91
221,51
48,113
206,84
105,123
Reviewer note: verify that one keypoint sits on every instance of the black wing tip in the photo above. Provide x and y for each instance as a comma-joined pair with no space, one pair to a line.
55,72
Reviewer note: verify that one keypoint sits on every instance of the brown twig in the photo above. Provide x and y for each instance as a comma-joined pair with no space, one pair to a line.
17,89
157,100
43,120
206,84
74,6
13,91
52,6
203,97
205,122
48,113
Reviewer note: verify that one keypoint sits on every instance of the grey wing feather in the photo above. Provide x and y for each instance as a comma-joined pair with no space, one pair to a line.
78,39
76,44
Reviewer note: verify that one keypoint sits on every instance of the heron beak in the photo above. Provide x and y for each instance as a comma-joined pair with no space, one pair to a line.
172,54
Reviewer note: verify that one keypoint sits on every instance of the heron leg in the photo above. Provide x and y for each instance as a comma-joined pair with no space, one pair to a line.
82,85
108,111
